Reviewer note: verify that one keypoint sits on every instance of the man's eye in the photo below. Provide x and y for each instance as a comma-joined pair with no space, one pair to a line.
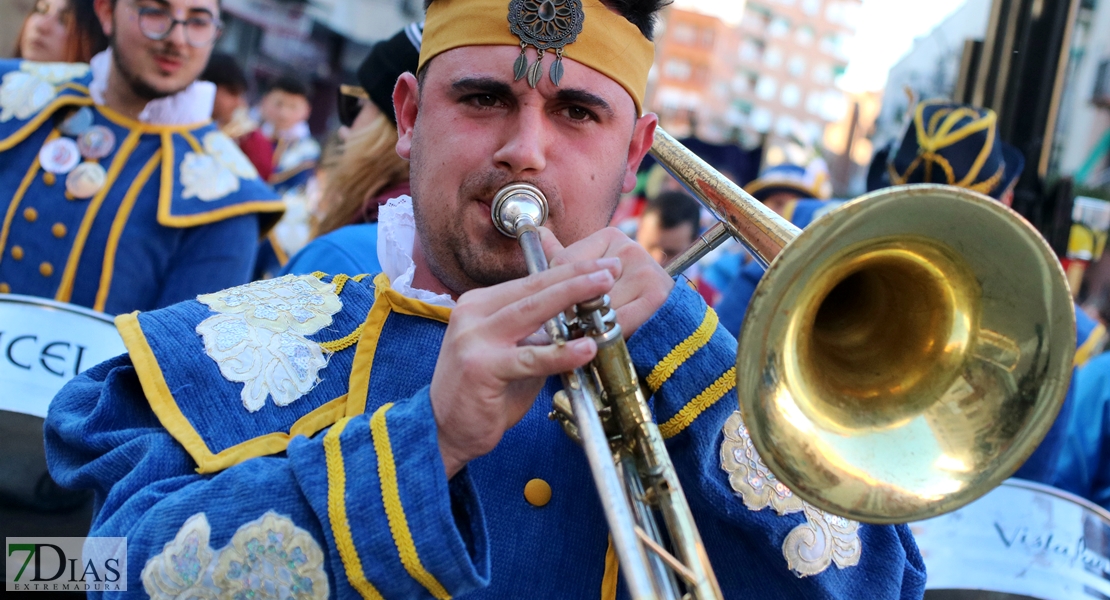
577,113
484,100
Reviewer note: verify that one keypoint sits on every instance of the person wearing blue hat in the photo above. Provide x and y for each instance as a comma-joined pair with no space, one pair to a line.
957,144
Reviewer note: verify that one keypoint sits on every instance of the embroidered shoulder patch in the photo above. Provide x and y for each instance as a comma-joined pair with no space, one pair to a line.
214,173
267,558
258,335
809,548
26,91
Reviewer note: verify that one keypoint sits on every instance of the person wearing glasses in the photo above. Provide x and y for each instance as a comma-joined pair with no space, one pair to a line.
117,190
116,193
369,172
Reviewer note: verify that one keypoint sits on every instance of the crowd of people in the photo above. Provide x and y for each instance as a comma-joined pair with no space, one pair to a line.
324,341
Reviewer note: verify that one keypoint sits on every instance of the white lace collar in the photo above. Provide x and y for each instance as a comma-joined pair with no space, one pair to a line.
396,236
189,106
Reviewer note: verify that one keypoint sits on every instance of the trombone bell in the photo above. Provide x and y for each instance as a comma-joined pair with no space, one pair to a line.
905,353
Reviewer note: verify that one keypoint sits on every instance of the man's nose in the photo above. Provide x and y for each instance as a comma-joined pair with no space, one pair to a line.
178,35
525,149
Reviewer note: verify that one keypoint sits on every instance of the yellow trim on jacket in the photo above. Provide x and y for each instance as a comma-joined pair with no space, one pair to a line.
386,301
169,414
337,513
141,127
116,232
395,510
36,121
612,570
65,288
683,351
1082,355
165,199
17,199
702,402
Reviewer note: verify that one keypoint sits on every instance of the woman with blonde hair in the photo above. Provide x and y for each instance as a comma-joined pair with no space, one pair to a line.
368,172
60,31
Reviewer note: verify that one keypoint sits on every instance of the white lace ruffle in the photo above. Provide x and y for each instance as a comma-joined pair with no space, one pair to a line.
396,236
258,338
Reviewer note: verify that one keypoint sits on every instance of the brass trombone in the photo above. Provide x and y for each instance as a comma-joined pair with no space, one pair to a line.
901,357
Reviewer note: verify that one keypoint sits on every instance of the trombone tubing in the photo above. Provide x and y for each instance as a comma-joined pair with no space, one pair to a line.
760,229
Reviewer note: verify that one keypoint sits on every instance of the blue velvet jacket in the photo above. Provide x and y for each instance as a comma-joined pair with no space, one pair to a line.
279,436
179,214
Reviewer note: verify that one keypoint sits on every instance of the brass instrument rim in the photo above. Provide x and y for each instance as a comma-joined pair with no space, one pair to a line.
762,403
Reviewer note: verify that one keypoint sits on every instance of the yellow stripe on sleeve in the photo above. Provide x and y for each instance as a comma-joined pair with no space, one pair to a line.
682,352
337,513
391,498
717,390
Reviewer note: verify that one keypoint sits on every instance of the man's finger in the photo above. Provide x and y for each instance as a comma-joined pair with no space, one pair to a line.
522,318
503,294
527,362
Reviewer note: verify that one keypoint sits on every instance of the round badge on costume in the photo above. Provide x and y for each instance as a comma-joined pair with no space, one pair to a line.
86,180
97,142
77,123
59,156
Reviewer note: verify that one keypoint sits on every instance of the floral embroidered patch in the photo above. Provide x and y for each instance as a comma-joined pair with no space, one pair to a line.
216,172
26,91
824,539
266,558
258,336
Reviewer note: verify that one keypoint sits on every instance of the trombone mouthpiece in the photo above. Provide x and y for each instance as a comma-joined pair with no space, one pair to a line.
518,204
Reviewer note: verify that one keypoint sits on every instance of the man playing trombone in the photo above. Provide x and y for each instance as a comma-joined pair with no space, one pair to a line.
387,436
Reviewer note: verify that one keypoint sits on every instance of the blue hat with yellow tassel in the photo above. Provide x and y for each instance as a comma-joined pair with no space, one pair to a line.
955,144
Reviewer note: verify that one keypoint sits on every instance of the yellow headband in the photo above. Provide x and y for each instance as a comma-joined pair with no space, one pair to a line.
608,43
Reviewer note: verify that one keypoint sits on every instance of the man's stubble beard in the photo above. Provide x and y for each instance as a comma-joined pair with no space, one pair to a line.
138,87
459,263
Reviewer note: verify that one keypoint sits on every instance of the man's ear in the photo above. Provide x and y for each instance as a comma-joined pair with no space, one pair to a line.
643,135
103,10
406,104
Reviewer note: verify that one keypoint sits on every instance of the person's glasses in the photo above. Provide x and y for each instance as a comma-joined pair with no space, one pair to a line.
351,100
158,23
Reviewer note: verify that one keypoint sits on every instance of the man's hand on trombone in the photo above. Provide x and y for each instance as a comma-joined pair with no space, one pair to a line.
489,372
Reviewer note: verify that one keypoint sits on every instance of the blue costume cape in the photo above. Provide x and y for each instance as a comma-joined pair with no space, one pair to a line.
179,214
339,468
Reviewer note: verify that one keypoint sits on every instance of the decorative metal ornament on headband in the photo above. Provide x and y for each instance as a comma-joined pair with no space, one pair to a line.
544,25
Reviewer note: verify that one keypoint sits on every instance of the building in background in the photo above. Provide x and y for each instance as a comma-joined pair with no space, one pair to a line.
847,147
930,69
774,73
1082,143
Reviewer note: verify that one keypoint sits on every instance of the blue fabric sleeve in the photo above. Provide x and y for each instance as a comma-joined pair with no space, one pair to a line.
692,400
734,303
1082,466
209,258
351,250
102,434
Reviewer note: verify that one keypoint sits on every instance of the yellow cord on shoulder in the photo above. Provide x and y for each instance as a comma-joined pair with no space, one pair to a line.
394,510
682,352
344,342
337,514
717,390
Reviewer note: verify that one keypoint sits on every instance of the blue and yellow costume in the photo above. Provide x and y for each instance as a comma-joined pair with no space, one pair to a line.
281,434
179,212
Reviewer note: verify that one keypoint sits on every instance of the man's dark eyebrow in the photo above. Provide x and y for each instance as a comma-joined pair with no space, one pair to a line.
584,98
191,10
486,85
